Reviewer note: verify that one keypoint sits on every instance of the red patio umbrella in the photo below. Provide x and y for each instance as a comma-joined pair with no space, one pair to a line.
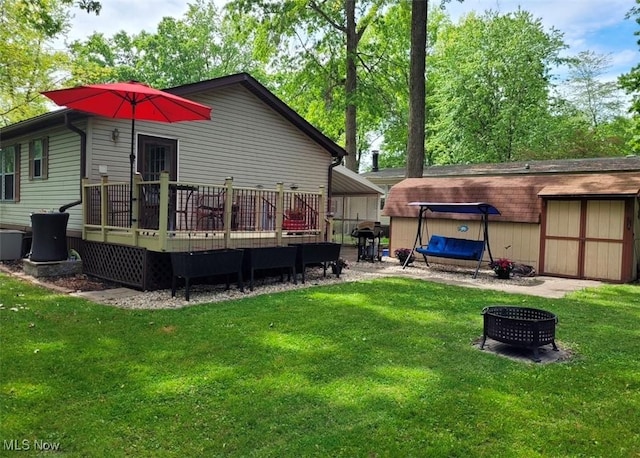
132,100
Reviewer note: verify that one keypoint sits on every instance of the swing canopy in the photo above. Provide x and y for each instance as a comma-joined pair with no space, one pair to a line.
478,208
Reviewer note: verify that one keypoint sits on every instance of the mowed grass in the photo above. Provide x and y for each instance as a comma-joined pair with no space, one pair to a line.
383,368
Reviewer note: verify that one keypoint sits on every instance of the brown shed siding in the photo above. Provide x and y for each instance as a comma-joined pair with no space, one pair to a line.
635,255
517,241
582,238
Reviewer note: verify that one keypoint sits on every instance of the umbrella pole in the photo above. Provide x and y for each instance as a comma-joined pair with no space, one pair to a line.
132,158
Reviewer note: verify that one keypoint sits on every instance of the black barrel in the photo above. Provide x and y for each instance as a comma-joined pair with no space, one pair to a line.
49,242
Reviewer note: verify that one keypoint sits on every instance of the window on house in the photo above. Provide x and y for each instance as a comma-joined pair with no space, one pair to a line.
38,159
8,173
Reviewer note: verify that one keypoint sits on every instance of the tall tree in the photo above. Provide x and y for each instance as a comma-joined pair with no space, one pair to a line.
599,100
394,73
416,134
492,80
417,89
308,28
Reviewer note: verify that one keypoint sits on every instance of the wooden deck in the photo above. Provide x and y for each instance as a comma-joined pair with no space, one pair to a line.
168,216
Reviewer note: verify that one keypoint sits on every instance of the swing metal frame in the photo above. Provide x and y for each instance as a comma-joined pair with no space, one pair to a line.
475,208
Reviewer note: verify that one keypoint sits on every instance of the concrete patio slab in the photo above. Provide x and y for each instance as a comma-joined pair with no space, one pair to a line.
107,294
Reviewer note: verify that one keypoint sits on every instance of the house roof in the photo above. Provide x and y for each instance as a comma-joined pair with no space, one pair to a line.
518,197
348,183
589,165
43,121
57,117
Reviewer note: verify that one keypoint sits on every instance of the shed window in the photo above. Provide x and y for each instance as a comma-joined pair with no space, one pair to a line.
9,178
39,159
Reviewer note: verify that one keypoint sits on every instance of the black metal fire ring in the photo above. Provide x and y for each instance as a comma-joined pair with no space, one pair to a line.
520,326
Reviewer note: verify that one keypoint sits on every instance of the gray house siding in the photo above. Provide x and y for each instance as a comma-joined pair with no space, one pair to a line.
245,139
102,151
61,187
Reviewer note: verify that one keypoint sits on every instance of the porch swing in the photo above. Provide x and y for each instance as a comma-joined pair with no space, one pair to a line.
451,247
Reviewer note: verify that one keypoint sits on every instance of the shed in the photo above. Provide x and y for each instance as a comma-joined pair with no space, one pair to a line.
584,225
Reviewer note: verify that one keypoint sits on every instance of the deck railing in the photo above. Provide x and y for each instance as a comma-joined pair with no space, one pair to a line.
177,216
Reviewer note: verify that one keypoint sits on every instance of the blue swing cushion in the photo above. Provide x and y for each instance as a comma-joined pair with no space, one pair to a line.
450,247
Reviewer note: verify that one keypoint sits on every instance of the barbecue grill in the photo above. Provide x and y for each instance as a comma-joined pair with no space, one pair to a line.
368,234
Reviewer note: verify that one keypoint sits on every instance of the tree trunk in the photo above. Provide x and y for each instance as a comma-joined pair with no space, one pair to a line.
351,86
416,135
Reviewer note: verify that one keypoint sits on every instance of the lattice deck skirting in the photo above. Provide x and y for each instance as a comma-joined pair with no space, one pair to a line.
158,273
131,266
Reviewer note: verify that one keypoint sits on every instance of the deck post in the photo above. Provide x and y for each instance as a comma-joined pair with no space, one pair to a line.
135,209
324,217
279,212
85,199
259,208
228,210
104,207
164,210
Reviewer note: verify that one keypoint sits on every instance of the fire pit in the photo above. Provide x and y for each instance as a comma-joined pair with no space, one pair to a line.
520,326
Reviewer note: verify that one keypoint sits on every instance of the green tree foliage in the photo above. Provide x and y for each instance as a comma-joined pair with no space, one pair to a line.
28,64
489,85
588,119
558,127
630,82
25,63
320,42
491,82
50,17
202,45
599,100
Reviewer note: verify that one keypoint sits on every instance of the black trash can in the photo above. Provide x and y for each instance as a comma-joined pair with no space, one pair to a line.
49,238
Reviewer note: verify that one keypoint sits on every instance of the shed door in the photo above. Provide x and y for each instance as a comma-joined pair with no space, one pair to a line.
585,239
604,239
562,233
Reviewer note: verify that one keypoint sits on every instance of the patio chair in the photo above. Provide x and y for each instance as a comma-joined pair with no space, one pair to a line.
210,211
294,220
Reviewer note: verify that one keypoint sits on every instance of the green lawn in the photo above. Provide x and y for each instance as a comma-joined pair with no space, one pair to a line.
384,368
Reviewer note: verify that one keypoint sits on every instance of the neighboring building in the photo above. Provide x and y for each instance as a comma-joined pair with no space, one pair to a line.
387,178
356,200
571,218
